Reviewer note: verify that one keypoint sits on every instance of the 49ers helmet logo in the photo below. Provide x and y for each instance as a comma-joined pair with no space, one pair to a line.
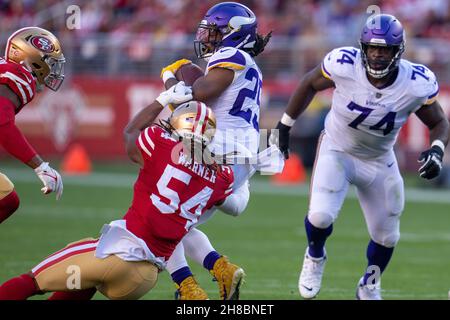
42,44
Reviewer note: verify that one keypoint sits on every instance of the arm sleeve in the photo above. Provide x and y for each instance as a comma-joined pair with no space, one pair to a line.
146,142
11,138
237,201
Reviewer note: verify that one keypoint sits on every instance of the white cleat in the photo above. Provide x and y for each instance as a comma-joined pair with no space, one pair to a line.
368,291
311,276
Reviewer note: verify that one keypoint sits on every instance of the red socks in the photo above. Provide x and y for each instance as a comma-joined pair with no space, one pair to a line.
19,288
8,205
85,294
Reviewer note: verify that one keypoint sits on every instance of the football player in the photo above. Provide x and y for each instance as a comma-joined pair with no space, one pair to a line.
227,37
33,59
375,91
171,192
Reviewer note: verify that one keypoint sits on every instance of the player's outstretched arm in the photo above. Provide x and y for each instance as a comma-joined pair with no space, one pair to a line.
142,120
177,94
310,84
434,118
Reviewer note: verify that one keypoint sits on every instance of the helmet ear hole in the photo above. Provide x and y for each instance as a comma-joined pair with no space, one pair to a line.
36,66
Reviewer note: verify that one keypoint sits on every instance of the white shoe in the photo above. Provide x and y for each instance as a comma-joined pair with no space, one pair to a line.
311,276
368,291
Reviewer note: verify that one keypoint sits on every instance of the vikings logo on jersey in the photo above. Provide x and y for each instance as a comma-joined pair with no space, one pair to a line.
363,119
237,108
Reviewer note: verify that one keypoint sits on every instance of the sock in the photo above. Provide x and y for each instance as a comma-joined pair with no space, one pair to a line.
181,274
211,259
377,255
18,288
316,238
8,205
85,294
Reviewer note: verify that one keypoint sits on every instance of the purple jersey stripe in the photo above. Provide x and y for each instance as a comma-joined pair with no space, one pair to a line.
325,70
237,58
434,94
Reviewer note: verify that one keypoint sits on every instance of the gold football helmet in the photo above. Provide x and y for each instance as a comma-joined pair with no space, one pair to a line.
194,124
40,52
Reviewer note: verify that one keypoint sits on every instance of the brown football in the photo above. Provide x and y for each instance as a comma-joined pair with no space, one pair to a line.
189,73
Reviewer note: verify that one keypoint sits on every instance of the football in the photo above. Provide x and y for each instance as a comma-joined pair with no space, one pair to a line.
189,73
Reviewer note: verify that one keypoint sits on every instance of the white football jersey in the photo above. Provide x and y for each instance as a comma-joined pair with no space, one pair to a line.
364,120
237,108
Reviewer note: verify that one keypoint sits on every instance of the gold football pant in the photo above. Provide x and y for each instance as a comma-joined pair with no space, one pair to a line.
6,186
76,268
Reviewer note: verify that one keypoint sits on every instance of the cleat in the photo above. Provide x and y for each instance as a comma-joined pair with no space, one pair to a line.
229,278
190,290
311,276
368,291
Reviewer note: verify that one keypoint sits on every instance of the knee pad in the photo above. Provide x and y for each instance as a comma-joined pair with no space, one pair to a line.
6,186
388,234
321,220
129,280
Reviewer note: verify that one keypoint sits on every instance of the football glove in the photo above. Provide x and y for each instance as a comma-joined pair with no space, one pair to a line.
281,138
51,179
176,94
175,66
431,161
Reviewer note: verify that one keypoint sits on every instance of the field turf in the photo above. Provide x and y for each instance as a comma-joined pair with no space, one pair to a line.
268,240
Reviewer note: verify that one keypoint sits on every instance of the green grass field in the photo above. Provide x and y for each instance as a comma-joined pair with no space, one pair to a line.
268,240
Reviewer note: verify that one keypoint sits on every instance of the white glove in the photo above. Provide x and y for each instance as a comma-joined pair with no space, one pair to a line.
177,94
50,178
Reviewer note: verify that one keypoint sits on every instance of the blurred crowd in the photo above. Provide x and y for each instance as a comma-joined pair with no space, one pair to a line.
292,18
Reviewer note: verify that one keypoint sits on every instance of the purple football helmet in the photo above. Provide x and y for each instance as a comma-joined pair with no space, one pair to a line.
227,24
386,31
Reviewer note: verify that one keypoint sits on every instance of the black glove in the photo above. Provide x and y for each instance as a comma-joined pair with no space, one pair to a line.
283,139
431,160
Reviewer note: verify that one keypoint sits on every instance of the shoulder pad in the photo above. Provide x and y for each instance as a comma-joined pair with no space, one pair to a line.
340,62
423,82
229,58
18,79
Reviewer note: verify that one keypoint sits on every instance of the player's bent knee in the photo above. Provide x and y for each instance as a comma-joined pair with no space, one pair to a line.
6,186
321,220
129,280
387,238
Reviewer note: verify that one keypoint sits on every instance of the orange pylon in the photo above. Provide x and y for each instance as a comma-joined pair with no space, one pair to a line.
293,172
76,161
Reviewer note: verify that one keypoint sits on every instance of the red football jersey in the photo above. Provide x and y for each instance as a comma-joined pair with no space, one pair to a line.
170,193
19,80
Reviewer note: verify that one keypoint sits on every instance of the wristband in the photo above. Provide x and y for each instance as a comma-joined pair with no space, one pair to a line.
287,120
167,75
438,143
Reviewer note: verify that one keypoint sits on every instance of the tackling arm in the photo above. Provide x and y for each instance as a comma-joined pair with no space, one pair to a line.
236,202
139,122
176,94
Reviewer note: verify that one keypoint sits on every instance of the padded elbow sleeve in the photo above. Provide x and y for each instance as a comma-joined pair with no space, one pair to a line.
236,203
